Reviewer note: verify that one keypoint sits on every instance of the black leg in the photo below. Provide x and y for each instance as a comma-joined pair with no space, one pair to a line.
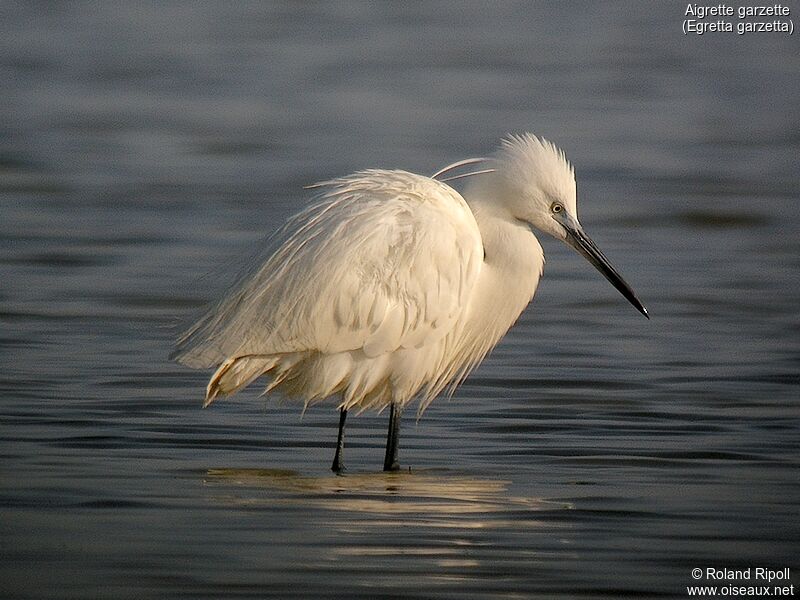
338,465
390,463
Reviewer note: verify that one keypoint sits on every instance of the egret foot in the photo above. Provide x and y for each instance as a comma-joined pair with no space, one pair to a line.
338,458
390,463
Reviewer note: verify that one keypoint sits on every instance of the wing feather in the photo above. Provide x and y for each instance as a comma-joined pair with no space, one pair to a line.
381,260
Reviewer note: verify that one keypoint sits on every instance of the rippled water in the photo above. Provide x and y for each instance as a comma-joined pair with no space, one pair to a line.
594,454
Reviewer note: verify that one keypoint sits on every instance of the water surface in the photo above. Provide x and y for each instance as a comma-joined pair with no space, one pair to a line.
594,454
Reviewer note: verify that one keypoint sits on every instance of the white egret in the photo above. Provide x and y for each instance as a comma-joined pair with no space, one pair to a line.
392,286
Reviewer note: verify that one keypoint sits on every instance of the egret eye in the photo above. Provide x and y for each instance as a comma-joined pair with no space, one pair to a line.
556,208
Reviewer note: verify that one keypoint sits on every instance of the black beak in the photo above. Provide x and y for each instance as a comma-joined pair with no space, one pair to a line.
584,245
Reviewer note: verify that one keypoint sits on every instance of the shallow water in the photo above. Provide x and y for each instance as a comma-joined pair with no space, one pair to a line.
594,454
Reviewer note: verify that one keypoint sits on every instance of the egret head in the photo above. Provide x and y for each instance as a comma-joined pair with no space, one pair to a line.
534,181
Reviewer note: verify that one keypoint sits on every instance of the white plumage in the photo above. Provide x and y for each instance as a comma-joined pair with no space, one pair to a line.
391,285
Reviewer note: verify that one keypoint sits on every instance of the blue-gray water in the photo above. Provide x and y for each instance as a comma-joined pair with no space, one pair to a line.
593,455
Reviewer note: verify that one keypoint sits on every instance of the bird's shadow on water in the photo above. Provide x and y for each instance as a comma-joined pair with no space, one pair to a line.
429,492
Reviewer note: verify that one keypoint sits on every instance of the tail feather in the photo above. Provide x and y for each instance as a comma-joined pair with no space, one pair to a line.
236,373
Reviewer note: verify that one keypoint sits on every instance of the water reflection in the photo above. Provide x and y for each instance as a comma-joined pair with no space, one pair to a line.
412,494
437,524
